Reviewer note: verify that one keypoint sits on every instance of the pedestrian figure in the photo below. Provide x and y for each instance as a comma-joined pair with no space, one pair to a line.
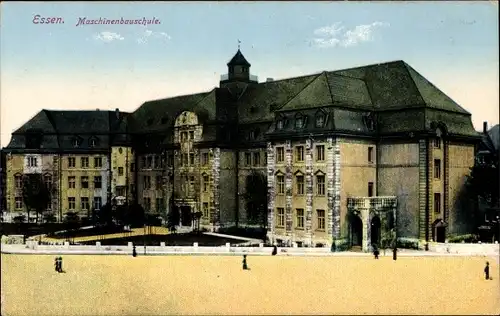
60,265
275,251
245,267
487,271
56,264
375,252
394,251
134,252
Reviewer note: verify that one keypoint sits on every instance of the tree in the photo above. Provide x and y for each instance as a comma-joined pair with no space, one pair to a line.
103,216
135,215
173,218
36,194
71,221
256,198
49,218
483,182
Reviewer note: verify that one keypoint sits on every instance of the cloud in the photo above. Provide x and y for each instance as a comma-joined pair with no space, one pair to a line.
337,35
108,37
148,34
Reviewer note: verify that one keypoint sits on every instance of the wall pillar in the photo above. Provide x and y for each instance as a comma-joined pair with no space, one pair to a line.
215,211
336,190
330,183
288,190
271,194
309,192
365,219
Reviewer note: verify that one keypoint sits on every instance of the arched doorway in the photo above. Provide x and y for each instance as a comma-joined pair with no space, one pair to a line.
439,230
356,231
375,231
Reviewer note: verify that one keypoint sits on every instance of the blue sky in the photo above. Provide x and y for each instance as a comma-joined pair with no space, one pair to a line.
453,44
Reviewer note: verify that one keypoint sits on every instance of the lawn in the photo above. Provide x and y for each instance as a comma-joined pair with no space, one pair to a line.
159,285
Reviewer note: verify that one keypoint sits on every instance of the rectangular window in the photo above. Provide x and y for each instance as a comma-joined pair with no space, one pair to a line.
204,159
248,159
72,182
370,154
280,180
147,182
132,167
120,171
97,182
71,162
97,162
320,153
147,203
300,184
19,181
191,159
206,182
206,212
84,202
97,203
84,182
370,189
437,202
437,168
159,204
120,190
299,153
280,154
256,159
281,217
47,179
71,203
32,162
84,162
437,143
191,184
149,162
159,182
321,219
19,203
320,185
183,136
300,218
191,135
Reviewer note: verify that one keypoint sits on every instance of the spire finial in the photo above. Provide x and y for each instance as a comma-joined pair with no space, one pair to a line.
239,42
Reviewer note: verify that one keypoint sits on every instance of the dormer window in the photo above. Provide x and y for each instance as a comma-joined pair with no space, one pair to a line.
320,120
369,122
76,142
280,124
93,142
299,122
251,135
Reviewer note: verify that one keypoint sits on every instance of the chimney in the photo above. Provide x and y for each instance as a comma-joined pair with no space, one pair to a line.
485,127
117,111
269,80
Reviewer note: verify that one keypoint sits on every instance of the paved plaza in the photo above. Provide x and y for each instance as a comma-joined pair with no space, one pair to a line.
159,285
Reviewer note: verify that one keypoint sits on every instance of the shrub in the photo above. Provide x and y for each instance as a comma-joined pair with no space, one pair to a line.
340,245
468,238
407,243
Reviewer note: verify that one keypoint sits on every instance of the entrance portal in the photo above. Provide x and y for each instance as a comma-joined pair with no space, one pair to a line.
186,215
356,231
375,231
440,234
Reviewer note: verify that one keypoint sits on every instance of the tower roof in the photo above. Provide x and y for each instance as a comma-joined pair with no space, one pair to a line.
238,60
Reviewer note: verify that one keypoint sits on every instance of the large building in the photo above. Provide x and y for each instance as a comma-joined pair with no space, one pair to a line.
350,156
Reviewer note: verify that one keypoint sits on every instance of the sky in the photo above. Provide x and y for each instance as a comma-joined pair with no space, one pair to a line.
74,65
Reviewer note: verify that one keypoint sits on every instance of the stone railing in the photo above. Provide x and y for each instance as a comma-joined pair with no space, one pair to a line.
376,202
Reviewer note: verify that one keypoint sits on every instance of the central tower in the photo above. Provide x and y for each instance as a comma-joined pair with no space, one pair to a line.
238,70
